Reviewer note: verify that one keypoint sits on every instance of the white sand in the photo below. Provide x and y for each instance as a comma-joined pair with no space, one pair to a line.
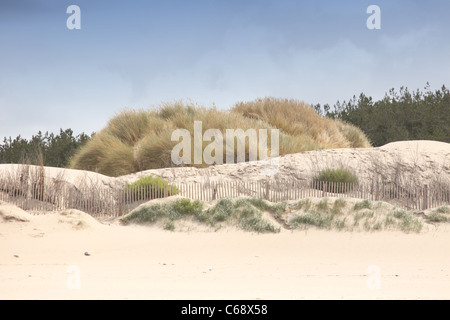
44,259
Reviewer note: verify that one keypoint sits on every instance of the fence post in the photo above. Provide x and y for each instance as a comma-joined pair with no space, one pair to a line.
425,197
267,189
214,193
324,189
166,191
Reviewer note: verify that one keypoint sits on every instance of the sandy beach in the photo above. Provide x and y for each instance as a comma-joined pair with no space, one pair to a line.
72,256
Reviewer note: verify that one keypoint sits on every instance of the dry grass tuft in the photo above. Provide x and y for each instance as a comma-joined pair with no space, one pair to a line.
136,140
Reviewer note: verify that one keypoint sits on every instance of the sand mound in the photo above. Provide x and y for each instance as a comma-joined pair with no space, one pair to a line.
78,219
76,178
420,162
14,218
419,146
11,213
159,201
260,216
406,164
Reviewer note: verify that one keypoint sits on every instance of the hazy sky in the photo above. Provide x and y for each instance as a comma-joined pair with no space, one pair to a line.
137,54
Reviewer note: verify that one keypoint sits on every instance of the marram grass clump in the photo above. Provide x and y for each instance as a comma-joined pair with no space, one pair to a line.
137,140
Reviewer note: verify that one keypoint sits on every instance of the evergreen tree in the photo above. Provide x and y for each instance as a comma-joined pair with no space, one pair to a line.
399,115
47,149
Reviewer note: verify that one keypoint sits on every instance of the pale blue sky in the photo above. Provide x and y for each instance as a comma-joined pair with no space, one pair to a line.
137,54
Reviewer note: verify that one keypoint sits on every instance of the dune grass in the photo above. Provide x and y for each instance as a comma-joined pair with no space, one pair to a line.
245,213
443,209
298,119
106,154
170,211
314,218
249,214
407,221
136,140
441,214
363,215
338,206
364,204
241,213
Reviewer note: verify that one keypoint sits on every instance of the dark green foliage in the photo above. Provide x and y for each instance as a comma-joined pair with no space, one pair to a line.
47,149
398,116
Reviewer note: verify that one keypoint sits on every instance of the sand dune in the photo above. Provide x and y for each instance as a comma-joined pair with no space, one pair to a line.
419,161
70,255
423,161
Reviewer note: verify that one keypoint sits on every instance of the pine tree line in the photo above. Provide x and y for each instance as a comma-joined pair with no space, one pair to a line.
402,115
42,149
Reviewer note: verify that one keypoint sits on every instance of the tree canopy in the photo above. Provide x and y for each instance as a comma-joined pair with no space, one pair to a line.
402,115
46,149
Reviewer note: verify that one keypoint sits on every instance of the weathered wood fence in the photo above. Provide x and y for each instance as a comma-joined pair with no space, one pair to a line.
37,196
420,198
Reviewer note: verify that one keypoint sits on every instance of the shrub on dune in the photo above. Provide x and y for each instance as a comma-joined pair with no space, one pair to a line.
353,134
339,180
141,140
88,156
150,187
154,150
118,159
105,154
129,125
299,119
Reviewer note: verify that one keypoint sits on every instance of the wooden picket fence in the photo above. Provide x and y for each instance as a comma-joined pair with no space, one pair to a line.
36,196
418,198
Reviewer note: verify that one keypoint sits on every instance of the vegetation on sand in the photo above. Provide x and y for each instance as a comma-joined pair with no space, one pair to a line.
252,214
398,116
136,140
150,187
241,213
43,149
337,180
